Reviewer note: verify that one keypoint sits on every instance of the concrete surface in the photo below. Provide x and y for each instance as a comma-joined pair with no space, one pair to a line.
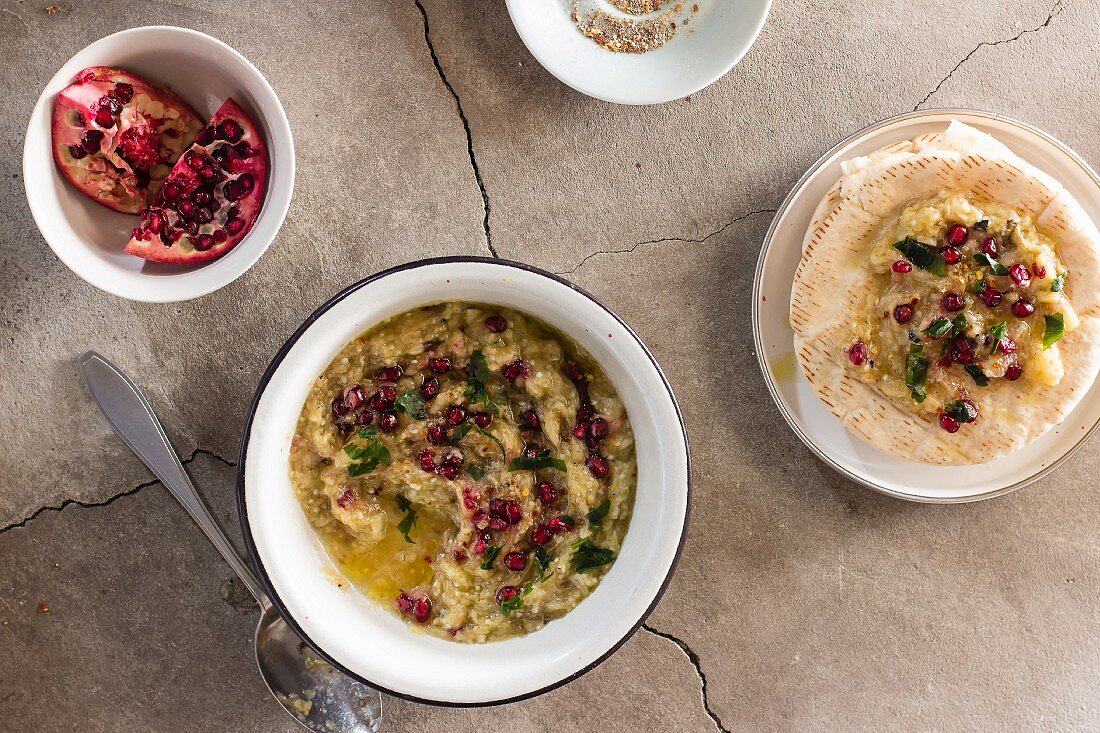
802,603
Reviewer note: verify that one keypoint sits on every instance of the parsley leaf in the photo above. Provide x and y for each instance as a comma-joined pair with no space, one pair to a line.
1057,283
475,471
523,463
368,453
938,328
597,514
922,256
976,372
995,267
997,333
543,560
981,226
516,602
588,556
960,411
477,387
405,525
491,557
916,372
459,433
412,404
1054,329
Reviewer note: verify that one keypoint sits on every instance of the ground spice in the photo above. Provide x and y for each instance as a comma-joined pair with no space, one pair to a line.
628,35
639,7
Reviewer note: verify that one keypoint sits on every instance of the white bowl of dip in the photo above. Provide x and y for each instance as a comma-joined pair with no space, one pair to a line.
367,641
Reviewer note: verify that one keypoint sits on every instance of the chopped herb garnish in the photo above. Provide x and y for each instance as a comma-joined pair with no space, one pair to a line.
523,463
1057,283
981,226
475,471
476,389
597,514
524,424
976,372
459,433
368,453
543,560
978,287
958,410
490,436
588,556
412,404
916,372
938,328
995,267
490,557
922,256
515,602
1054,329
997,333
405,525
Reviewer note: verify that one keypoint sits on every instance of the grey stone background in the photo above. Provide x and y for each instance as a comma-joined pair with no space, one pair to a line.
424,128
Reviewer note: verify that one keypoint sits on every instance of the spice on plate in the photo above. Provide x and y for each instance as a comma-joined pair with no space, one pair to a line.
626,34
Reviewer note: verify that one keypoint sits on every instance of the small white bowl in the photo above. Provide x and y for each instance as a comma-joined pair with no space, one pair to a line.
370,643
696,57
88,237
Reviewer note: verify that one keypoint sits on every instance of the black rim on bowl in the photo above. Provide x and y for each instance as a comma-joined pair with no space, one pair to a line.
242,508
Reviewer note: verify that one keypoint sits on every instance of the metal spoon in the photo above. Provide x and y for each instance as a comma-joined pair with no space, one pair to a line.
317,695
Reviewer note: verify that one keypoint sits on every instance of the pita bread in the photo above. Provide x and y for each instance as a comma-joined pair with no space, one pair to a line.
832,282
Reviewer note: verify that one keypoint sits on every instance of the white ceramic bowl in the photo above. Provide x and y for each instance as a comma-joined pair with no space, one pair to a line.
810,419
369,642
696,57
89,237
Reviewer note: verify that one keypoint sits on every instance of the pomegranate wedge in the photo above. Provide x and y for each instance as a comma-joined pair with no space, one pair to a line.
116,136
212,197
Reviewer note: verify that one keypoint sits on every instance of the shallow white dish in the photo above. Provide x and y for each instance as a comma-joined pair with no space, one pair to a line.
89,237
370,643
697,56
812,421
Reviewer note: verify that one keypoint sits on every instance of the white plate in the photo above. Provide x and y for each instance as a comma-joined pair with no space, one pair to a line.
89,238
696,57
811,421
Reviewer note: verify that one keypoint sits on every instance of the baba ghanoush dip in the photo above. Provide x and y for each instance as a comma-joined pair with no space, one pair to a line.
468,467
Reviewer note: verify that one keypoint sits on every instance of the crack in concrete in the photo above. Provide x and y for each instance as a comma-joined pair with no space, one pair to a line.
1055,10
695,662
111,499
633,247
466,126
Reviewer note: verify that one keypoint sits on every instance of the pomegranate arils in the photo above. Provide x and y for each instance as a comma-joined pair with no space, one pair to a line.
580,431
456,415
598,465
1014,372
547,493
429,388
515,561
448,472
91,141
991,296
953,302
903,313
389,373
516,369
203,242
124,92
529,420
990,247
962,351
354,397
599,428
585,413
1023,309
422,609
949,423
532,450
1020,275
902,267
454,458
346,499
496,324
234,226
1039,270
858,353
77,152
437,434
540,536
230,131
404,604
202,196
387,422
204,216
1007,344
957,234
339,407
506,593
971,409
186,209
426,460
497,524
557,525
440,364
482,419
951,255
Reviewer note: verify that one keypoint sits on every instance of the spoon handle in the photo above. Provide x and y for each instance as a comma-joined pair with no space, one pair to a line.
132,417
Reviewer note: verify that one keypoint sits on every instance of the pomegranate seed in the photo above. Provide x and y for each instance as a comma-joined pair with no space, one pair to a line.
456,414
990,247
91,141
203,242
404,604
496,324
1014,372
902,266
104,117
469,498
961,350
557,525
496,508
547,493
156,223
903,313
186,209
422,609
448,472
387,422
1007,344
480,519
339,407
220,236
124,92
949,423
532,450
482,419
204,216
515,561
971,409
195,161
515,370
389,373
346,499
990,296
366,417
459,556
506,593
497,524
957,234
580,430
437,434
388,392
951,255
1039,270
585,413
1023,309
440,364
953,302
77,152
858,353
574,372
540,536
454,458
512,512
378,402
1020,275
246,181
429,388
598,465
230,130
354,397
426,460
234,226
530,419
480,546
